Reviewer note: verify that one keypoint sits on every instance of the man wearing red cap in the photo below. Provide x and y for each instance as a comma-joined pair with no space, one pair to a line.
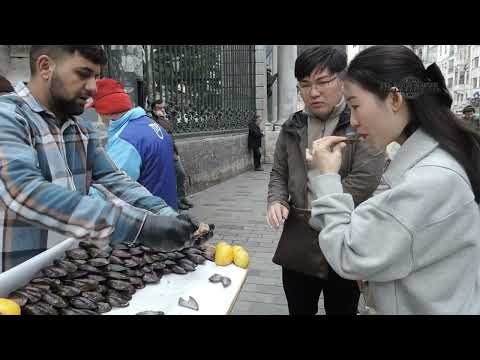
137,145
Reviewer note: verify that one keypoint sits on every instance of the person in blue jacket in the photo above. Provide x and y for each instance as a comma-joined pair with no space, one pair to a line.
136,144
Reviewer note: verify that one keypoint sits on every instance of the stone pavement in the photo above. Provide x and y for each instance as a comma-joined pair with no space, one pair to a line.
237,207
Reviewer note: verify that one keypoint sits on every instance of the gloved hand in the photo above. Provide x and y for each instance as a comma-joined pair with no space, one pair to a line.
189,219
199,240
166,233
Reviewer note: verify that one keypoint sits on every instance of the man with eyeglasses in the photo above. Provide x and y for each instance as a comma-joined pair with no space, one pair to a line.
305,271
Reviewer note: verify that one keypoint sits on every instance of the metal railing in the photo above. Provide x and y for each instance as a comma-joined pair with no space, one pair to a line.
205,87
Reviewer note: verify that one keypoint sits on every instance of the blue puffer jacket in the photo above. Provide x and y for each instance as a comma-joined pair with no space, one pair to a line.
144,150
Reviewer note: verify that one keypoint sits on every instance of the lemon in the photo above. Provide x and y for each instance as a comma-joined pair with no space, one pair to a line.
241,258
237,248
223,254
9,307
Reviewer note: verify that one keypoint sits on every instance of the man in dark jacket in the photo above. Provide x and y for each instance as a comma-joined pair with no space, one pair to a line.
270,81
255,141
305,272
160,116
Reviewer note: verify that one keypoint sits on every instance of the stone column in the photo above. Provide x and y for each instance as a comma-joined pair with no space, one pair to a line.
4,59
261,83
127,67
287,91
286,95
261,90
274,118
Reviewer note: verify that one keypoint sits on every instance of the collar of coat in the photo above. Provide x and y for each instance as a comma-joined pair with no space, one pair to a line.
418,146
299,120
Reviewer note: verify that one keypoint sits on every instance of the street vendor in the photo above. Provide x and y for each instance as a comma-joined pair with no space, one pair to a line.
50,157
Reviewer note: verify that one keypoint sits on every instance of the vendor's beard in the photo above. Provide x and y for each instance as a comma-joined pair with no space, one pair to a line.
59,103
160,115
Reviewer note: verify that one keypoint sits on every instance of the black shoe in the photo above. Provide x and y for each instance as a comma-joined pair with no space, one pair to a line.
186,202
259,169
182,206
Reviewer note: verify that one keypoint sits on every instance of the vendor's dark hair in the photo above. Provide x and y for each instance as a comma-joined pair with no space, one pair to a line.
5,85
156,102
94,53
323,56
379,68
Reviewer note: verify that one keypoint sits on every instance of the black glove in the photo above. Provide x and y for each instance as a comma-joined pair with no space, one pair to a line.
195,224
166,233
189,219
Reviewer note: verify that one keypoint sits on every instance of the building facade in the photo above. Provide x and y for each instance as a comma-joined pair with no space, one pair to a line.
460,67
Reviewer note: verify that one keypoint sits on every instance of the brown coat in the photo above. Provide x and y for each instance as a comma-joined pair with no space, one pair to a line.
361,170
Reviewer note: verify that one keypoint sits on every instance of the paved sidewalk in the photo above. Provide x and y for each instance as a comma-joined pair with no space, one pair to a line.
237,207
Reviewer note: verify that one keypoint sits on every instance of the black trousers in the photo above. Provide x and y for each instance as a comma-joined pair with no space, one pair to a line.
256,157
303,293
181,177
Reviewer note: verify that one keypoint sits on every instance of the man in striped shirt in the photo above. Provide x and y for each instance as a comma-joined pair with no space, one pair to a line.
50,157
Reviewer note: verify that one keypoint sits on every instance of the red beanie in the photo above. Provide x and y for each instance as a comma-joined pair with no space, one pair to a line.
111,97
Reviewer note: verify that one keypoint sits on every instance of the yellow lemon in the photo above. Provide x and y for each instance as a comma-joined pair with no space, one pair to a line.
9,307
241,258
223,254
236,248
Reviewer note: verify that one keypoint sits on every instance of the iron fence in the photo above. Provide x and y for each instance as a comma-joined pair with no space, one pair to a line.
205,87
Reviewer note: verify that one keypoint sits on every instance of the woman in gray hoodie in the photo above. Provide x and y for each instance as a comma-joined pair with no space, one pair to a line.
417,242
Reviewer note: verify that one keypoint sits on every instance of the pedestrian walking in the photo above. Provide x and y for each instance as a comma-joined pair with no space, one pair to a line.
470,118
255,141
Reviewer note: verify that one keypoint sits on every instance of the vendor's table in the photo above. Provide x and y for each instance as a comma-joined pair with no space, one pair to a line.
213,299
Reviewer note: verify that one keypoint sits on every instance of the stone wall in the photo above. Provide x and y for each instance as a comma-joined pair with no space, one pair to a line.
14,62
212,159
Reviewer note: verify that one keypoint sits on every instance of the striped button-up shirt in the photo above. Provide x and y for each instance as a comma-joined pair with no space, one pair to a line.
46,170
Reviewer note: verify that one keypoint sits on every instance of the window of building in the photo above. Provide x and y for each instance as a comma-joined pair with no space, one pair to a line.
474,82
450,66
450,82
461,79
475,62
452,50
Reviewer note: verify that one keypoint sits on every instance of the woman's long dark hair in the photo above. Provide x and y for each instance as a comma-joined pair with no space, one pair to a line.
379,68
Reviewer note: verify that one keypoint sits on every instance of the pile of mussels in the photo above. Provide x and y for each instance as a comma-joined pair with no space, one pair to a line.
90,281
